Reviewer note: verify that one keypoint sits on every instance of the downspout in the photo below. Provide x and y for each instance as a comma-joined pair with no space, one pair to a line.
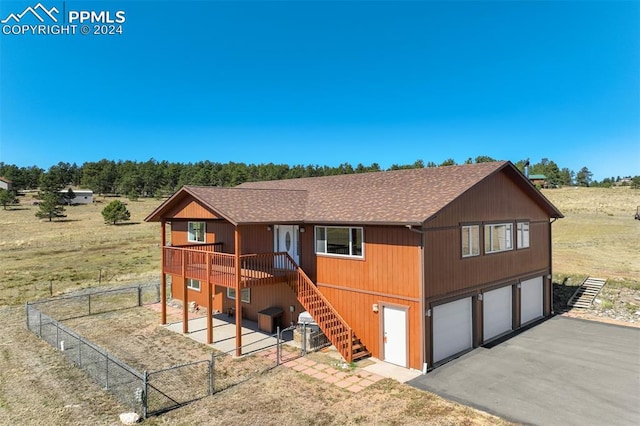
238,271
421,297
163,277
551,268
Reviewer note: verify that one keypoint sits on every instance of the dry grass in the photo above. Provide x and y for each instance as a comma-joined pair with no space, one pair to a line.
39,385
598,235
70,253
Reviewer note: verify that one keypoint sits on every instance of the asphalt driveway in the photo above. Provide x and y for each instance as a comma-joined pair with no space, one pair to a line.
564,371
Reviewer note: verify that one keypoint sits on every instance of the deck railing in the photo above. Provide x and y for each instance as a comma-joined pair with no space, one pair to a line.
261,268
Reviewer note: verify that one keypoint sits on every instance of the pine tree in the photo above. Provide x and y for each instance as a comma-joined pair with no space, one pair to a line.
50,206
7,198
116,211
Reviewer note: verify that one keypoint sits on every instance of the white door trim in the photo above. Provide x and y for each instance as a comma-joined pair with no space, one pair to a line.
395,340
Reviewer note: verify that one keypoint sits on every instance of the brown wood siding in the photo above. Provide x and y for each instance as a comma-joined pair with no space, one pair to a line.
279,295
357,311
447,272
216,231
391,263
497,199
200,297
189,209
256,239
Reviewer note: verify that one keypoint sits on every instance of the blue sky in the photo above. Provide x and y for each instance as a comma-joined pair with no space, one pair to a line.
327,82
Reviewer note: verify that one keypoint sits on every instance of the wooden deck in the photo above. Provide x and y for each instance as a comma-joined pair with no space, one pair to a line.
220,268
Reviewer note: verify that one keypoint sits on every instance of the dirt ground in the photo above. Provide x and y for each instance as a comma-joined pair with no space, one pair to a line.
36,375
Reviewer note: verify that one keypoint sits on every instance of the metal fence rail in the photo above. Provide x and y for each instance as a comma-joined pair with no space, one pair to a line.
124,382
94,302
150,392
178,385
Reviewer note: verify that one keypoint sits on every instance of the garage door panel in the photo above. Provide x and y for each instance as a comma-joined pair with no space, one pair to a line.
497,312
531,300
452,328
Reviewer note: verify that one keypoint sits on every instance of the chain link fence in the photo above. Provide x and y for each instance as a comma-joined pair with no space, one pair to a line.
148,392
93,302
124,382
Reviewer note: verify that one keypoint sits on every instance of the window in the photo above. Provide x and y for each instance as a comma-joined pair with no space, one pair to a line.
193,284
470,240
498,237
245,294
522,231
341,241
196,232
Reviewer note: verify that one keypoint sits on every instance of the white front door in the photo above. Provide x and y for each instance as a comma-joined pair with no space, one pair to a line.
286,239
395,335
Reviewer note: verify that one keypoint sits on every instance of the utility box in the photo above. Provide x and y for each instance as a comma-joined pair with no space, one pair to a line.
269,319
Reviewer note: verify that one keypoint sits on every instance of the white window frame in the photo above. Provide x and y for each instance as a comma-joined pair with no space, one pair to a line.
523,233
472,234
191,284
321,246
245,294
489,238
190,233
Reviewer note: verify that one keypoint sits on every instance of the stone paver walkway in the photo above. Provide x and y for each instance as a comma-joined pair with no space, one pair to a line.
354,381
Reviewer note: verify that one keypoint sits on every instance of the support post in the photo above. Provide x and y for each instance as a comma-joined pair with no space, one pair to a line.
185,298
209,302
238,271
163,278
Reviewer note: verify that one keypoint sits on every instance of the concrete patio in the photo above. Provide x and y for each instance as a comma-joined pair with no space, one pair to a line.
224,334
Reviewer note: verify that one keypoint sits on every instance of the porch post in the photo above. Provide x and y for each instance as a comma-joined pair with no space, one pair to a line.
185,298
163,278
238,295
209,302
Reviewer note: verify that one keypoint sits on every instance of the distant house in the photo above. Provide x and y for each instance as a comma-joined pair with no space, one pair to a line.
538,180
5,183
82,196
414,267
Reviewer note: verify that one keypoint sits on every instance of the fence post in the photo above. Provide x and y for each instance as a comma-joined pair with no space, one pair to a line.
139,295
106,376
211,373
145,385
304,338
278,346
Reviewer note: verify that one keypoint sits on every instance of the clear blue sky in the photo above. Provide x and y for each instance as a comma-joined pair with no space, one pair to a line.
327,82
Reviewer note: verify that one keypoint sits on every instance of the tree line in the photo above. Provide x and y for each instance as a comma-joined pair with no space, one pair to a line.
161,178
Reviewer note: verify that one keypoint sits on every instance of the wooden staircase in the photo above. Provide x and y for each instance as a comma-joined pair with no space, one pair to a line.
328,319
586,293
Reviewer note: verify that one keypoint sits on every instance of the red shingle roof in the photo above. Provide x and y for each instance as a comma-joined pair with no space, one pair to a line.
392,197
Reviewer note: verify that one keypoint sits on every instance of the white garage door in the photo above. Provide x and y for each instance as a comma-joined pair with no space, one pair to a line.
530,300
497,312
452,328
